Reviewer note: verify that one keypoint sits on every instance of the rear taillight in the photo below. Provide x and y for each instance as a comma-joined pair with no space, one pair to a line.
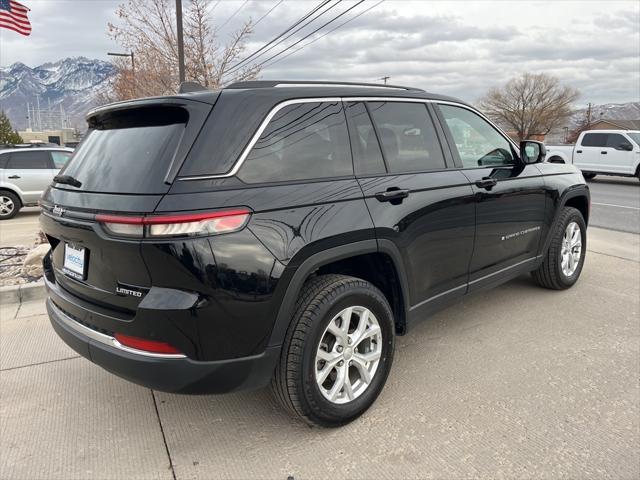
146,345
190,224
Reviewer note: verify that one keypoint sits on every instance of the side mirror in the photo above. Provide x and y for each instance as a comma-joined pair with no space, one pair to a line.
532,151
627,147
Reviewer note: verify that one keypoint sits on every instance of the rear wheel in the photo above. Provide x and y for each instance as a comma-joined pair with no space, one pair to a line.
588,175
563,262
9,205
337,353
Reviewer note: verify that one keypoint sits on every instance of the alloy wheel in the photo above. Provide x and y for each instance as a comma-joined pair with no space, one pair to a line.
348,354
571,249
6,206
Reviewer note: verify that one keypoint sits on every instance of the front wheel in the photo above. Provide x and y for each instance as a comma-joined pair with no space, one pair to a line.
337,353
563,262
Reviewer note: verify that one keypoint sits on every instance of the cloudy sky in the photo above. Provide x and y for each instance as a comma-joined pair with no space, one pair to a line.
459,48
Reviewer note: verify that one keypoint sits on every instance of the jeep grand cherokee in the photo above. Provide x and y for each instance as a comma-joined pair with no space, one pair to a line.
284,233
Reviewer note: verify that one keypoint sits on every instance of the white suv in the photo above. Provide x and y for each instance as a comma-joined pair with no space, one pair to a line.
25,173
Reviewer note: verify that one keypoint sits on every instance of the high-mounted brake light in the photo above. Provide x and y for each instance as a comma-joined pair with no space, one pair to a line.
145,345
189,224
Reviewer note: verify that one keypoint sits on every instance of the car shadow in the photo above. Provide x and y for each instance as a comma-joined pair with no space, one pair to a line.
256,413
615,180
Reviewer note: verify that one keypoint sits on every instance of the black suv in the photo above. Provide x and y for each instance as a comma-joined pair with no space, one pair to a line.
286,232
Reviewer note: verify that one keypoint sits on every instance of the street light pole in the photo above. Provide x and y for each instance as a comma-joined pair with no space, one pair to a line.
133,66
180,40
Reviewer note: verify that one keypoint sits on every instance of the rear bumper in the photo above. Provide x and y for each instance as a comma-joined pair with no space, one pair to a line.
176,374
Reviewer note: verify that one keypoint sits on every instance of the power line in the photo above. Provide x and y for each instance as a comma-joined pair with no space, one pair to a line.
295,24
325,34
267,14
233,15
214,6
311,20
307,36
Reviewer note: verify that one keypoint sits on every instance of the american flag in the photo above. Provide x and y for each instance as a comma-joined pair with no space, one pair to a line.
13,15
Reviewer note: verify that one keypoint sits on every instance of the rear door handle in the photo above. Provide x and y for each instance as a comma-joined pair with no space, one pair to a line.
603,153
395,194
487,183
13,177
578,151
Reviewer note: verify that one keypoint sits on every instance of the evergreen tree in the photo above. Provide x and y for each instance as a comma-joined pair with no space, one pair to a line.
7,134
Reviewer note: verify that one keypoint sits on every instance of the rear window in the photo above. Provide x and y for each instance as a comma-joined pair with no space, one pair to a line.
408,136
35,160
302,141
129,151
594,140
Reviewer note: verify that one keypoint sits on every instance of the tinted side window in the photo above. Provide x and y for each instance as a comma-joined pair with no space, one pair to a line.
477,141
60,158
364,143
28,160
302,141
407,135
594,140
615,140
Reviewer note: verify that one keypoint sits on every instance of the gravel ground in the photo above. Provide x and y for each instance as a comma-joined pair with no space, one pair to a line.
11,260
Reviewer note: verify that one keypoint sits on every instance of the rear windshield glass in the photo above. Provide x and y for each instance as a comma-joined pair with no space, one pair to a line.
128,151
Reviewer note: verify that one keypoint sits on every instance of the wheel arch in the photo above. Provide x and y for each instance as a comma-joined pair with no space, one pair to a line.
577,197
555,158
363,259
11,190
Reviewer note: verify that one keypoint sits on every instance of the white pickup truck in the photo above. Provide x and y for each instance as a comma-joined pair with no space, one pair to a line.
601,152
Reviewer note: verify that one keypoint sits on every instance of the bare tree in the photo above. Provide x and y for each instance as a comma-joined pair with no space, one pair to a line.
532,104
147,28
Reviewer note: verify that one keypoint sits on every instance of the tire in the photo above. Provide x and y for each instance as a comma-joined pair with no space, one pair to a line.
323,300
588,175
551,273
9,205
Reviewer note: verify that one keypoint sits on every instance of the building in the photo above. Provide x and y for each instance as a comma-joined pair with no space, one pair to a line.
60,136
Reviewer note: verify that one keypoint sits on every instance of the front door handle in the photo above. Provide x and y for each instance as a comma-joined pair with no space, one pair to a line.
13,177
487,183
392,194
578,151
603,153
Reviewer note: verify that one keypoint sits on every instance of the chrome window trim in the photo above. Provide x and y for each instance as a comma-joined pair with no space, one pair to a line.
106,339
263,125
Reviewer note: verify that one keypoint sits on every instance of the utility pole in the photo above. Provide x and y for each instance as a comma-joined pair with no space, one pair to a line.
589,117
384,79
180,40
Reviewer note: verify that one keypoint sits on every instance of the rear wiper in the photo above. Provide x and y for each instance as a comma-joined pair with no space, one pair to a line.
68,180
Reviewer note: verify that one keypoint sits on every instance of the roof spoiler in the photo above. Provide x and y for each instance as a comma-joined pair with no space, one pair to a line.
188,87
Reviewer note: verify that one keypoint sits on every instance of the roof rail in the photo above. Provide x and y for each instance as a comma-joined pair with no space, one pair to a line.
304,83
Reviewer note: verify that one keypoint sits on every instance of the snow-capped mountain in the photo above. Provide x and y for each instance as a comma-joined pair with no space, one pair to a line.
607,111
73,83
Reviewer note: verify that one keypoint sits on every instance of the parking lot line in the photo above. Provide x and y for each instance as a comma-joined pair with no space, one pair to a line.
612,205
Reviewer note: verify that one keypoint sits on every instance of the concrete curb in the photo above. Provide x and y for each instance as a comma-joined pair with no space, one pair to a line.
22,293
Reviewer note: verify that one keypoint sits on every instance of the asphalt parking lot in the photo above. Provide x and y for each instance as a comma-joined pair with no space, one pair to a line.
518,382
615,203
